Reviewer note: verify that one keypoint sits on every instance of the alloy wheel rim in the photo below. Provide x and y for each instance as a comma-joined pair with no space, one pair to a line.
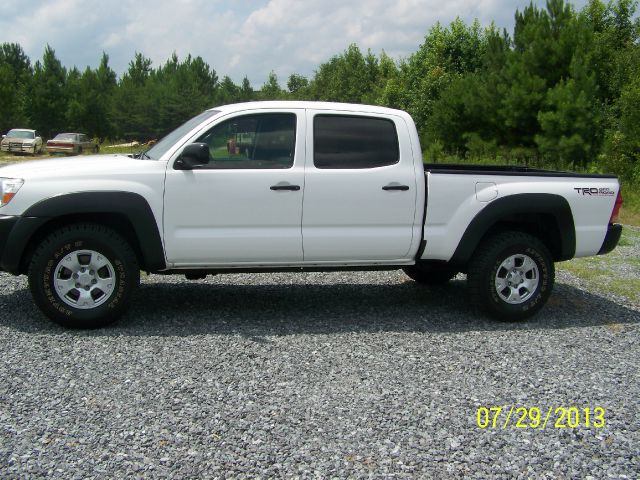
84,279
517,279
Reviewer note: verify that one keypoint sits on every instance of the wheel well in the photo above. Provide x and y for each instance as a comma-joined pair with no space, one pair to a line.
543,226
117,222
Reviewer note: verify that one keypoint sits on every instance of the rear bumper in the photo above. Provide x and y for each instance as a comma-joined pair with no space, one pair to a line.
611,239
58,149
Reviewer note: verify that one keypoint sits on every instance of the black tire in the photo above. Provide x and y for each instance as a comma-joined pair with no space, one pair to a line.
528,294
79,150
122,275
430,274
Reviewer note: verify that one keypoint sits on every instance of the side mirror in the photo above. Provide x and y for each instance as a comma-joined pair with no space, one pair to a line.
193,156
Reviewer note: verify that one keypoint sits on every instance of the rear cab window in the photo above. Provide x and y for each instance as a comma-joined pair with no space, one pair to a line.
354,142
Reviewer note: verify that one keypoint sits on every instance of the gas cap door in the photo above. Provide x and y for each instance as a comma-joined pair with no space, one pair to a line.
486,191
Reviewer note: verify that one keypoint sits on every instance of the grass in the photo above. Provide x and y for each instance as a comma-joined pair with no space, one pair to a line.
105,148
617,273
630,212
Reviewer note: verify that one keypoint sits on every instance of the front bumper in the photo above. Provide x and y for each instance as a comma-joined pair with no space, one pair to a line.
18,148
611,239
6,226
15,234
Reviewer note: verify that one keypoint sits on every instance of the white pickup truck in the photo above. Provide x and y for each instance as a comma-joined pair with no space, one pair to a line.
293,186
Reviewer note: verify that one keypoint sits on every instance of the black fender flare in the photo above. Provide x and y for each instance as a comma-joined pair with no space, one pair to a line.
132,206
522,204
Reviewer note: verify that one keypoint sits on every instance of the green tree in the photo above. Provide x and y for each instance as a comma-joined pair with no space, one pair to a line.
135,102
297,86
570,122
228,92
246,91
348,77
15,77
621,153
446,54
271,89
182,89
47,97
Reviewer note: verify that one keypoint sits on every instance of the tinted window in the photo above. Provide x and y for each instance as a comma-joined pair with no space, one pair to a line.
354,142
252,141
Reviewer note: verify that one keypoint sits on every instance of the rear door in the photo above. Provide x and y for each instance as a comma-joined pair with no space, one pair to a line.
360,189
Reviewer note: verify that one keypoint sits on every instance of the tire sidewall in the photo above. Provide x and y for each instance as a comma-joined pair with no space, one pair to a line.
42,284
543,290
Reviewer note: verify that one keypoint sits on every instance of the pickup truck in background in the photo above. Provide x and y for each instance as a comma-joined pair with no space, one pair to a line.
293,186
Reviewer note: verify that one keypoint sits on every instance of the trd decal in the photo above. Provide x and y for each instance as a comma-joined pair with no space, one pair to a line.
595,192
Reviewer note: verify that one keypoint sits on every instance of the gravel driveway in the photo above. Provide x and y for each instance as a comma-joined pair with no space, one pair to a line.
315,375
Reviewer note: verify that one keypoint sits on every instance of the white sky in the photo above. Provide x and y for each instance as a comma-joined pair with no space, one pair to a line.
236,38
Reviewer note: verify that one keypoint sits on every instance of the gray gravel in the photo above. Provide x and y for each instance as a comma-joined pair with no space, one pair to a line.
315,375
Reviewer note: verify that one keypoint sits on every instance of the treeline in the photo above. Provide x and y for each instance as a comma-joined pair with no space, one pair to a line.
562,90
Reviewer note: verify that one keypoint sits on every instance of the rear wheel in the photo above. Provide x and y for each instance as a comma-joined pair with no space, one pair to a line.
511,276
79,150
83,276
429,273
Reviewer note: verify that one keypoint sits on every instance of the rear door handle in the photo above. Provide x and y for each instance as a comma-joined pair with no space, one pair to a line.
403,188
293,188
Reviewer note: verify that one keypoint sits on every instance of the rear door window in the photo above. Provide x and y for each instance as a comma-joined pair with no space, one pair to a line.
342,141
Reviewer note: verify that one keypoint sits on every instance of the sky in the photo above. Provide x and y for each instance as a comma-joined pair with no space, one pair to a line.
236,38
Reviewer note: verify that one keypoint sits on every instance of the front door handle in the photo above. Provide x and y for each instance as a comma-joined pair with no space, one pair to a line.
293,188
403,188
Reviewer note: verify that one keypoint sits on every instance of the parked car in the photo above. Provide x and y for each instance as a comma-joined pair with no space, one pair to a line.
21,140
224,193
72,144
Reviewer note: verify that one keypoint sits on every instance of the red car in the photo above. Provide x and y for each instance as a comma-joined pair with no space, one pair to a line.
71,144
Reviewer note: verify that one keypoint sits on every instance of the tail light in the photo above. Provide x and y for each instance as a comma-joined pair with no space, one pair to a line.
616,208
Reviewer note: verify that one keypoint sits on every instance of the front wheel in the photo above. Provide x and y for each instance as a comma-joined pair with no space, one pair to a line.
83,276
511,276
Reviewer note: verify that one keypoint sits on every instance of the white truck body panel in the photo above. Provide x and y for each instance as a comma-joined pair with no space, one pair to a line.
97,173
453,204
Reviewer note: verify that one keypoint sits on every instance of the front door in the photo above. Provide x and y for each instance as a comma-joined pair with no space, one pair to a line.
245,206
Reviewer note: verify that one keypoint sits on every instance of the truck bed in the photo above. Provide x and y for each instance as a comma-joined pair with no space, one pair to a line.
451,168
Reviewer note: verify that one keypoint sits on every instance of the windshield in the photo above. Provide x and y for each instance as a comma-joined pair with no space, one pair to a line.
65,136
20,134
167,142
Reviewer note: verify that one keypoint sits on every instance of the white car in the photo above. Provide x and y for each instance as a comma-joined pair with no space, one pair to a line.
21,140
282,186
